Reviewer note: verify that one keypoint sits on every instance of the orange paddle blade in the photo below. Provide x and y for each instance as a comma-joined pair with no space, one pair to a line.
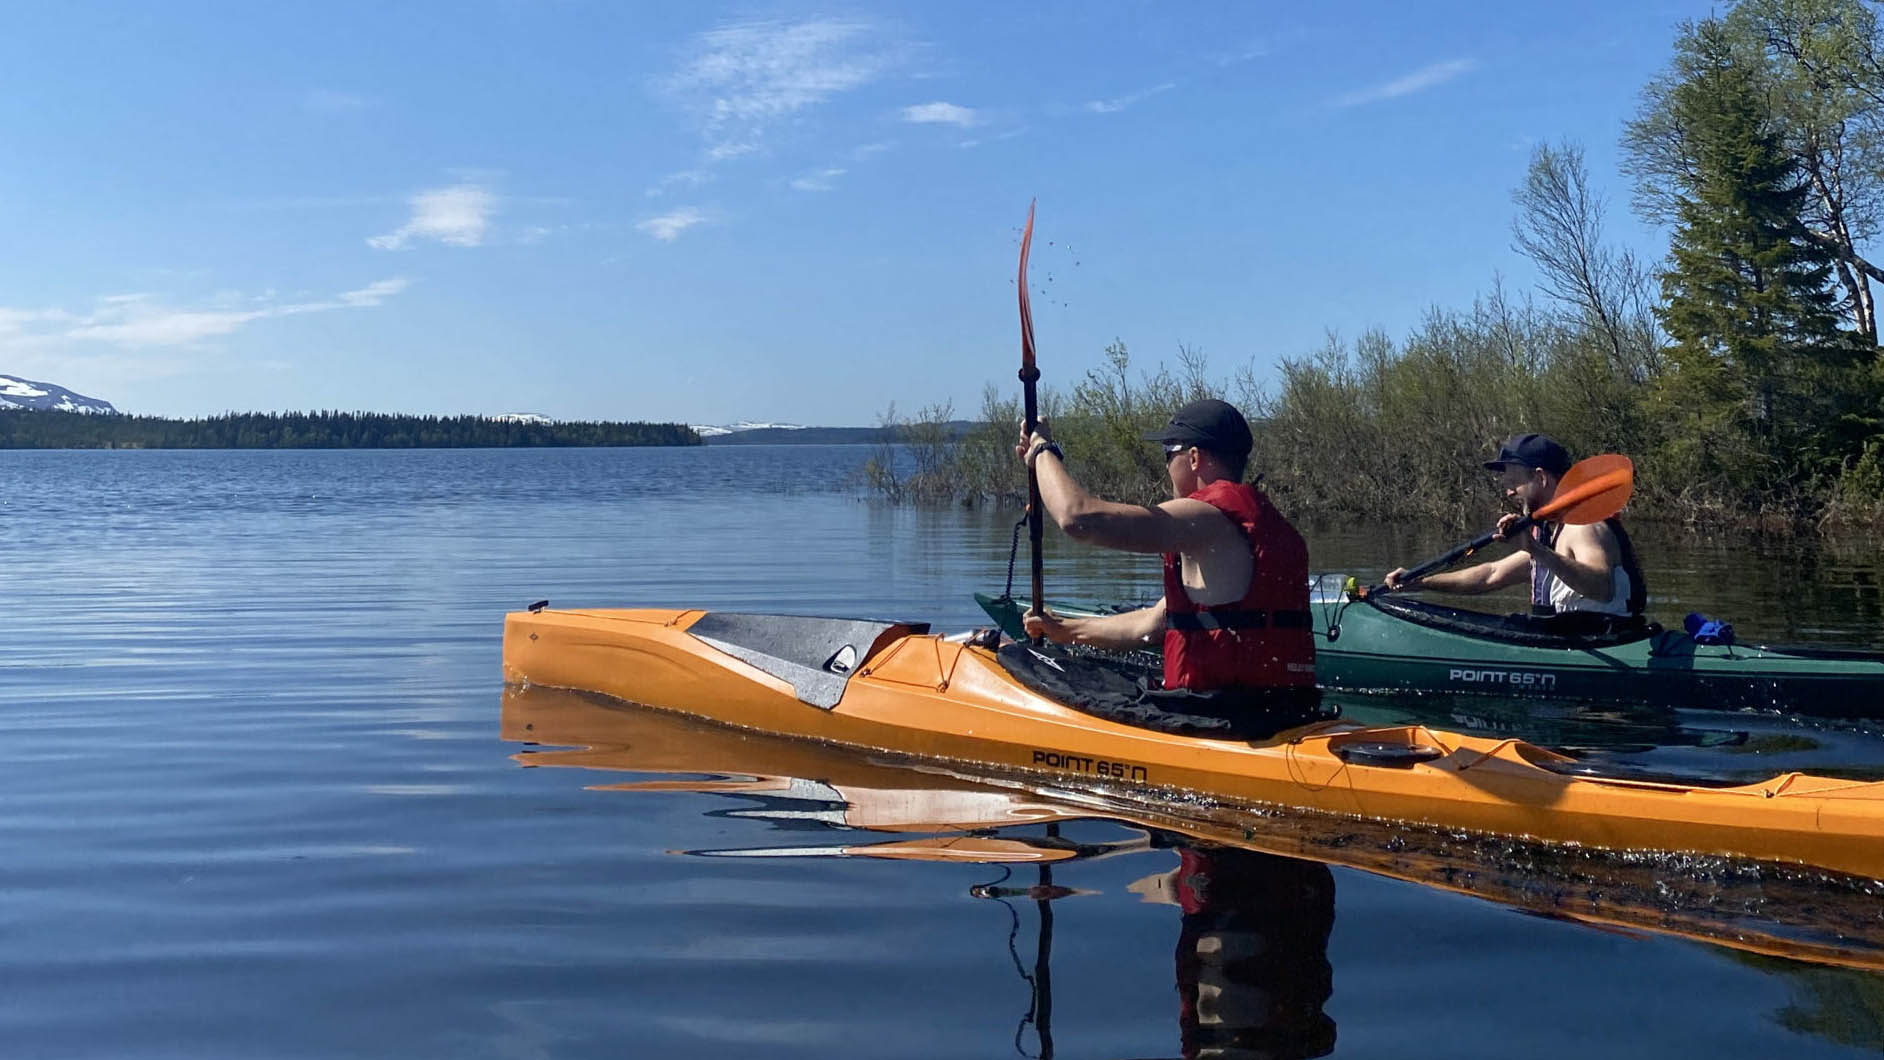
1026,308
1591,491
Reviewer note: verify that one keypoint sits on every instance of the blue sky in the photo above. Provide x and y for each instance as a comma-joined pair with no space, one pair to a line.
780,211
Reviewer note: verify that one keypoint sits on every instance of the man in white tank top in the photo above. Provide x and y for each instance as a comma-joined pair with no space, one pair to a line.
1570,568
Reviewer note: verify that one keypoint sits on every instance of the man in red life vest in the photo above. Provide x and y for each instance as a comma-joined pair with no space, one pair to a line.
1235,608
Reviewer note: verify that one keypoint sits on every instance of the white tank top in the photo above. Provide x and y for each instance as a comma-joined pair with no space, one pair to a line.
1563,598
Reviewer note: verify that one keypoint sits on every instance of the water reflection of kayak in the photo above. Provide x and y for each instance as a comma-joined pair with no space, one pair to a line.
1394,643
893,807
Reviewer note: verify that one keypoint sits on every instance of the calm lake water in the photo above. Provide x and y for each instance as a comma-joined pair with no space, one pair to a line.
264,795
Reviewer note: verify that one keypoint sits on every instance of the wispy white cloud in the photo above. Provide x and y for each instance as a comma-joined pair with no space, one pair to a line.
328,101
139,320
668,226
825,178
166,327
941,114
1418,81
18,321
690,178
1242,55
727,149
372,294
744,78
1113,106
457,216
818,180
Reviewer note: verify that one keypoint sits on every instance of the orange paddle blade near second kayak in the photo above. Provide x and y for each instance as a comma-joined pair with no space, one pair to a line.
1591,491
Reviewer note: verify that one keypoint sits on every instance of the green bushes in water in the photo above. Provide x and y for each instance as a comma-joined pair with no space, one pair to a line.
1379,429
1401,431
1101,423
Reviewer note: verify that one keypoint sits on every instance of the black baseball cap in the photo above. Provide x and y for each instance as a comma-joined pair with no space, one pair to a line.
1209,424
1539,451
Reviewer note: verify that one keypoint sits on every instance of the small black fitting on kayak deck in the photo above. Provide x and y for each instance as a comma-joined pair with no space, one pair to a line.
1385,753
538,606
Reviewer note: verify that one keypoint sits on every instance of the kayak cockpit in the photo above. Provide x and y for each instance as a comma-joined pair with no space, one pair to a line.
815,656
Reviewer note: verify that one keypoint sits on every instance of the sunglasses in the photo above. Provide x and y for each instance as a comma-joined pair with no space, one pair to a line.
1172,449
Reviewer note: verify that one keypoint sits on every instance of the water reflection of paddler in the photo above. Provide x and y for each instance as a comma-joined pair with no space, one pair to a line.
1584,579
1234,614
1252,953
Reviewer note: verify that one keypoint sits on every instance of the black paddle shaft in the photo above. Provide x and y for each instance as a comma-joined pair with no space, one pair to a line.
1457,554
1029,376
1043,958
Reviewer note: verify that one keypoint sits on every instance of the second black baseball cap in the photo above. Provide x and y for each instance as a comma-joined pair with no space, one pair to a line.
1531,450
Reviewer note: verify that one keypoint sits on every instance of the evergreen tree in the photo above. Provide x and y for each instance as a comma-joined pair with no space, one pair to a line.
1762,371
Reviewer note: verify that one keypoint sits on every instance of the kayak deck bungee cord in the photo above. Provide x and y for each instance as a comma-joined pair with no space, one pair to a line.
895,687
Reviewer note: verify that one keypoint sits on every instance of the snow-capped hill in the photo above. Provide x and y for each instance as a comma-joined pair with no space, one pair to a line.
709,430
521,417
18,393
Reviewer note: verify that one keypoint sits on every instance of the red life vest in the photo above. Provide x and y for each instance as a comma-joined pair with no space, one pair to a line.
1263,640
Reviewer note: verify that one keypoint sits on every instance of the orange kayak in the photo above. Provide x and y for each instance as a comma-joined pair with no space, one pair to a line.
896,688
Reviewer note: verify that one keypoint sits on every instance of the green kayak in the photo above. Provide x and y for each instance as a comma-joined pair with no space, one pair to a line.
1402,644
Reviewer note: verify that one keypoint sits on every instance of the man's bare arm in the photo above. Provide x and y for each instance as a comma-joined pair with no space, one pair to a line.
1174,526
1130,631
1479,578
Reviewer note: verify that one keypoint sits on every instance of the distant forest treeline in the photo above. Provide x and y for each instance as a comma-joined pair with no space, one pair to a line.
24,429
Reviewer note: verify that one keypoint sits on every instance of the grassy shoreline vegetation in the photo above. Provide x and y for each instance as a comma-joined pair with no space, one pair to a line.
41,429
1742,373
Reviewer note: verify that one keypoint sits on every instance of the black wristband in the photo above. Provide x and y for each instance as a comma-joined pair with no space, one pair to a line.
1050,447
